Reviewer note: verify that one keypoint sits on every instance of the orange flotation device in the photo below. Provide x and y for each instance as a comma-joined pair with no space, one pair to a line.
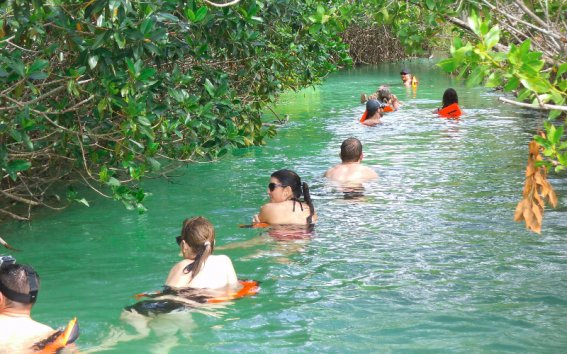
364,116
451,111
249,288
58,340
388,108
256,225
414,81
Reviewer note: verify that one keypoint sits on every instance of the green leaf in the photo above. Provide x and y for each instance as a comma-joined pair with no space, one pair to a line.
536,84
561,69
447,65
146,74
476,77
119,40
190,14
542,141
38,65
113,182
512,84
554,114
18,165
93,61
494,80
200,14
430,4
38,75
492,37
146,27
144,121
210,88
314,28
99,40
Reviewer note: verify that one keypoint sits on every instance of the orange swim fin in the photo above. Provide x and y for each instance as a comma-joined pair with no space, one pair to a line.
249,288
60,339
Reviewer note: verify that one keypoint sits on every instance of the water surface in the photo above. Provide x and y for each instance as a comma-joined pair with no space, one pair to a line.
428,260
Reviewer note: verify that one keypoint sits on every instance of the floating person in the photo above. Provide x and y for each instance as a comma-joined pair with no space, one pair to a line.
450,108
408,79
200,278
390,100
372,115
19,287
285,207
350,169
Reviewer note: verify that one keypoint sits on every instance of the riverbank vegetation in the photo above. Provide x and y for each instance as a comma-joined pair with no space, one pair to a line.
105,92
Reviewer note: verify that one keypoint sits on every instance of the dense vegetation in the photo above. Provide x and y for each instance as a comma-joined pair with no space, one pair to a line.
104,92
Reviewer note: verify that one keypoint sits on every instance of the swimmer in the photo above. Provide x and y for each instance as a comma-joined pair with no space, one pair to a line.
19,287
450,105
351,168
285,208
408,79
390,100
371,116
200,269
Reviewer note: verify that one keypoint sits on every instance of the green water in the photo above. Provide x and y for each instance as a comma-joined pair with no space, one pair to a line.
428,261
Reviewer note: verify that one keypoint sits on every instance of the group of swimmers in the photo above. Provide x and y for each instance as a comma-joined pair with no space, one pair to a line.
383,101
212,275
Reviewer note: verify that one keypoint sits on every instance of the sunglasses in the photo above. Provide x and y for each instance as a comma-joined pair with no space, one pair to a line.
273,186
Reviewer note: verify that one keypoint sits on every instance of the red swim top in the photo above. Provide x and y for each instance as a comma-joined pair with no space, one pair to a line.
451,111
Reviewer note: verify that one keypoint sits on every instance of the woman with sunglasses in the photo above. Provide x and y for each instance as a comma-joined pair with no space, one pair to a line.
200,269
285,207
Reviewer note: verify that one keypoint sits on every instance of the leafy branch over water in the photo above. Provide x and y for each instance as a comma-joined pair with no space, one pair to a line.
104,92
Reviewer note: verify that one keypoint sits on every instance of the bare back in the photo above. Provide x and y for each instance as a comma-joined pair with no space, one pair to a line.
284,213
347,172
217,272
19,334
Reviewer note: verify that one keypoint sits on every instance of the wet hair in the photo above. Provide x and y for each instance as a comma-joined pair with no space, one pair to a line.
372,106
199,234
384,94
450,97
288,178
16,278
351,150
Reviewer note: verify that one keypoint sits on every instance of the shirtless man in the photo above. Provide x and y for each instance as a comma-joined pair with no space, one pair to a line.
19,285
350,169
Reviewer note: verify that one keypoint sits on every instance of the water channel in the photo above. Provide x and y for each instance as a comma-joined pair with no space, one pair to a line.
428,260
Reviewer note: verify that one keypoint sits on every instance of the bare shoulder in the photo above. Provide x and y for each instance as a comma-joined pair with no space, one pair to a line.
220,259
368,172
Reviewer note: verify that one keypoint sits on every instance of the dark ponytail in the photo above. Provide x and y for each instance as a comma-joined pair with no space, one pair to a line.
309,202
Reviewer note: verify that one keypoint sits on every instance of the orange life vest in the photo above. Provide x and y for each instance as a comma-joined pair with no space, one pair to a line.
59,339
451,111
364,116
388,108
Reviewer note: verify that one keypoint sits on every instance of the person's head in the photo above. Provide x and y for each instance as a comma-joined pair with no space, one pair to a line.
405,73
351,150
373,106
450,97
384,94
197,241
286,185
19,285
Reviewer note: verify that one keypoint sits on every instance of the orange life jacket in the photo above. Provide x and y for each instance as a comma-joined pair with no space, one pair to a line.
364,116
451,111
388,108
59,339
